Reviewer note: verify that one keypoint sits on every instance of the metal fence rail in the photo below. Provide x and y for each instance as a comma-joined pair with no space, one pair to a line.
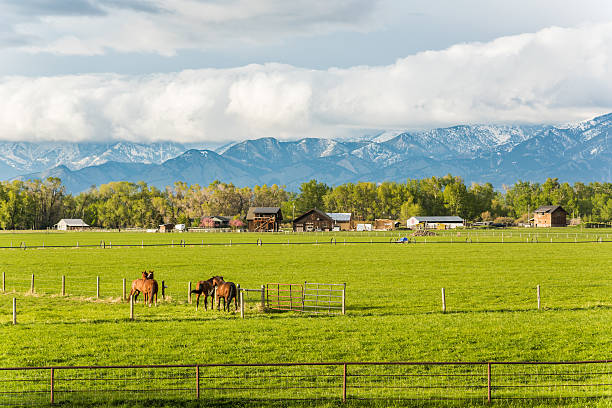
324,297
479,382
328,298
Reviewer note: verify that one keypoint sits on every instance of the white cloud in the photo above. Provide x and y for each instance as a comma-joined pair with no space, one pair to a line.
553,76
166,26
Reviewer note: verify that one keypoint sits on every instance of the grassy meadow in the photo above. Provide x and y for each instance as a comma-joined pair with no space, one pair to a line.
393,298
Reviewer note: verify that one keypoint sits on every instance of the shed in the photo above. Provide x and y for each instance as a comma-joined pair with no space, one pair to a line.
550,216
383,224
313,220
166,227
432,222
264,219
67,224
342,221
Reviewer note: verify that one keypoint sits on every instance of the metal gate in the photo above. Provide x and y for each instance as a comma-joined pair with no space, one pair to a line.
285,296
328,298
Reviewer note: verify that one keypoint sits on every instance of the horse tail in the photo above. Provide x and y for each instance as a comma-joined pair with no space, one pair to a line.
233,295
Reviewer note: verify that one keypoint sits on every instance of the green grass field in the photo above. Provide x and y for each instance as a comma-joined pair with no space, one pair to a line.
393,298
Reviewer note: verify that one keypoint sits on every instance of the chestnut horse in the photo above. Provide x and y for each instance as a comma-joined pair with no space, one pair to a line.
137,285
149,289
205,288
227,291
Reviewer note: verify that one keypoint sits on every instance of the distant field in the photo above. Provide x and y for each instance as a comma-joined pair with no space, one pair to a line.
393,298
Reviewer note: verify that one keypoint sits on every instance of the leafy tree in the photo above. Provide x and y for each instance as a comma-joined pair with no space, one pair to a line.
311,195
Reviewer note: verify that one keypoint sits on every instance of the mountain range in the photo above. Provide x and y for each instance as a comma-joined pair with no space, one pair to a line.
499,154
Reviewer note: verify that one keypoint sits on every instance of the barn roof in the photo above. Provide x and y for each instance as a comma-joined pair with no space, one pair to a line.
340,217
314,210
547,209
262,210
73,222
220,218
438,218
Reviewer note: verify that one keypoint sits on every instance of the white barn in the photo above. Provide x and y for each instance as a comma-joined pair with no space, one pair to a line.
450,221
66,224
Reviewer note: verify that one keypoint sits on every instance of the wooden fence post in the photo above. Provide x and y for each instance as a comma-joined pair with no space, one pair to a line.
443,301
263,297
52,378
197,381
163,290
241,304
189,293
344,383
97,287
32,285
131,307
123,292
344,299
3,282
538,290
14,310
63,285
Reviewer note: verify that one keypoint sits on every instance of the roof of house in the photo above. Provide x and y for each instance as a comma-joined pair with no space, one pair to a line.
220,218
73,222
315,210
340,217
438,218
261,210
546,209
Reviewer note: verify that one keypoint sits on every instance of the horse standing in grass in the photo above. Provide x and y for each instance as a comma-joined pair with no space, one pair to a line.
137,285
205,288
227,291
150,289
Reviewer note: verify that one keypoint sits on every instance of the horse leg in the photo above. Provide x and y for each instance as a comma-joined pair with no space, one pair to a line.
236,300
197,301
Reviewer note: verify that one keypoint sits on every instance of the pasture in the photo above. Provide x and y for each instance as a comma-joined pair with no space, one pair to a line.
393,298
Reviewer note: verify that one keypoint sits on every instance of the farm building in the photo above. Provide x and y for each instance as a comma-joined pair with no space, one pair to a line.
220,221
435,222
166,227
550,216
342,221
313,220
264,219
383,224
67,224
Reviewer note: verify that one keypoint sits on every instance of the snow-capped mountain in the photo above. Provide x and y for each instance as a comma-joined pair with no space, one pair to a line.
482,153
17,158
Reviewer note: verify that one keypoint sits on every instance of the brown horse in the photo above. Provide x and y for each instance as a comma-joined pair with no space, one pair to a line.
205,288
137,285
150,289
227,291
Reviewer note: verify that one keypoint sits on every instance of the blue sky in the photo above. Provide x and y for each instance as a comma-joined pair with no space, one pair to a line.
214,71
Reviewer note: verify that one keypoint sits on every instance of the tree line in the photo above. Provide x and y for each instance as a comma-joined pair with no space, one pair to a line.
39,204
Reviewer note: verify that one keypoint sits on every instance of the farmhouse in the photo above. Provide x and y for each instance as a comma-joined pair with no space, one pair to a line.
220,221
166,227
383,224
313,220
67,224
435,222
550,216
264,219
342,221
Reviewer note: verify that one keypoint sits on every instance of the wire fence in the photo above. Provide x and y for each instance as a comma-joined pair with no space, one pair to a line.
331,239
453,382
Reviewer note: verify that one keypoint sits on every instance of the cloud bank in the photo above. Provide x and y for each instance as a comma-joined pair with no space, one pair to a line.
555,75
94,27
